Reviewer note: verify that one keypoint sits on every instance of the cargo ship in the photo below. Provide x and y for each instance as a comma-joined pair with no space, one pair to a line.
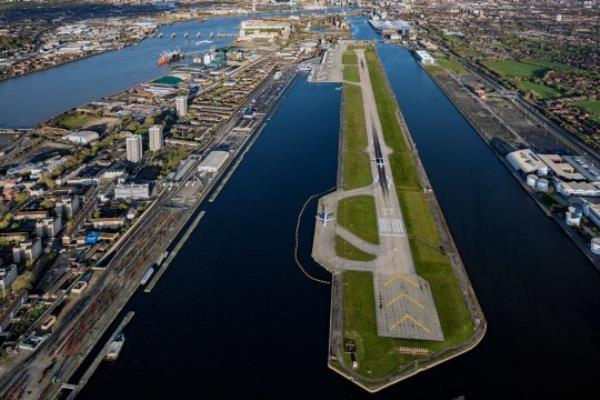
169,56
115,347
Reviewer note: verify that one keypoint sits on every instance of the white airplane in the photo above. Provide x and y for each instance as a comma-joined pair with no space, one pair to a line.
325,216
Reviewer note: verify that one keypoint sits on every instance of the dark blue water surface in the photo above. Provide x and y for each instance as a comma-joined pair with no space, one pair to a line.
234,316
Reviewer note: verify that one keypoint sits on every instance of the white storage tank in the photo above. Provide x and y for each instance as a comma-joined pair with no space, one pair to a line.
573,216
543,171
542,185
531,180
595,245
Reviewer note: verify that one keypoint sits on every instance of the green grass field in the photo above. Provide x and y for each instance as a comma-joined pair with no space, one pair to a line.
345,249
357,214
349,58
356,162
73,121
550,64
592,106
378,356
351,73
442,64
516,68
539,90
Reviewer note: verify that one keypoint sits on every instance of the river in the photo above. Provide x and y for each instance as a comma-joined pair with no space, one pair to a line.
33,98
234,318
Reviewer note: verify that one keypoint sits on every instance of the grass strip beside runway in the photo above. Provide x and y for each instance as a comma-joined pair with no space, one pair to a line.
430,260
345,249
357,214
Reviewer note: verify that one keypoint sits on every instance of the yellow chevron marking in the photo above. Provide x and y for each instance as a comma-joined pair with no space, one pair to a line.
408,297
409,317
404,278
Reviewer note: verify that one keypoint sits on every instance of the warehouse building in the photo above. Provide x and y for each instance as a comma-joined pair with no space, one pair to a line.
132,191
577,188
561,167
425,57
525,161
214,161
81,138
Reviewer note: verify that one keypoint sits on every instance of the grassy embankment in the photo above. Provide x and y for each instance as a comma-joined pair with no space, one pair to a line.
379,356
345,249
350,66
442,64
73,120
526,75
357,214
591,106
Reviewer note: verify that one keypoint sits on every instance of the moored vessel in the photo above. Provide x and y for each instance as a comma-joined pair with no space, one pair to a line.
115,347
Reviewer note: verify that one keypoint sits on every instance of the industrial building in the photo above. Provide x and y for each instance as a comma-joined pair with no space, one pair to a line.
525,161
264,29
155,135
135,151
132,191
425,57
81,138
577,188
584,166
561,167
214,161
183,169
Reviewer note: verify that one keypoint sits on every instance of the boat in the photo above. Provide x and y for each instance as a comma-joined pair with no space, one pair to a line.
147,276
198,34
186,35
211,34
173,35
160,34
169,56
161,258
115,347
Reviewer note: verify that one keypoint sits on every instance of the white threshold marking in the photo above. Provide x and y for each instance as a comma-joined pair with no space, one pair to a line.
391,225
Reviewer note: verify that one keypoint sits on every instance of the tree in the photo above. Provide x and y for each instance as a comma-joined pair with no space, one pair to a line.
21,197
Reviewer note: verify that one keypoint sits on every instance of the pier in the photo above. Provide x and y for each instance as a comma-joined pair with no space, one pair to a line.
76,388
